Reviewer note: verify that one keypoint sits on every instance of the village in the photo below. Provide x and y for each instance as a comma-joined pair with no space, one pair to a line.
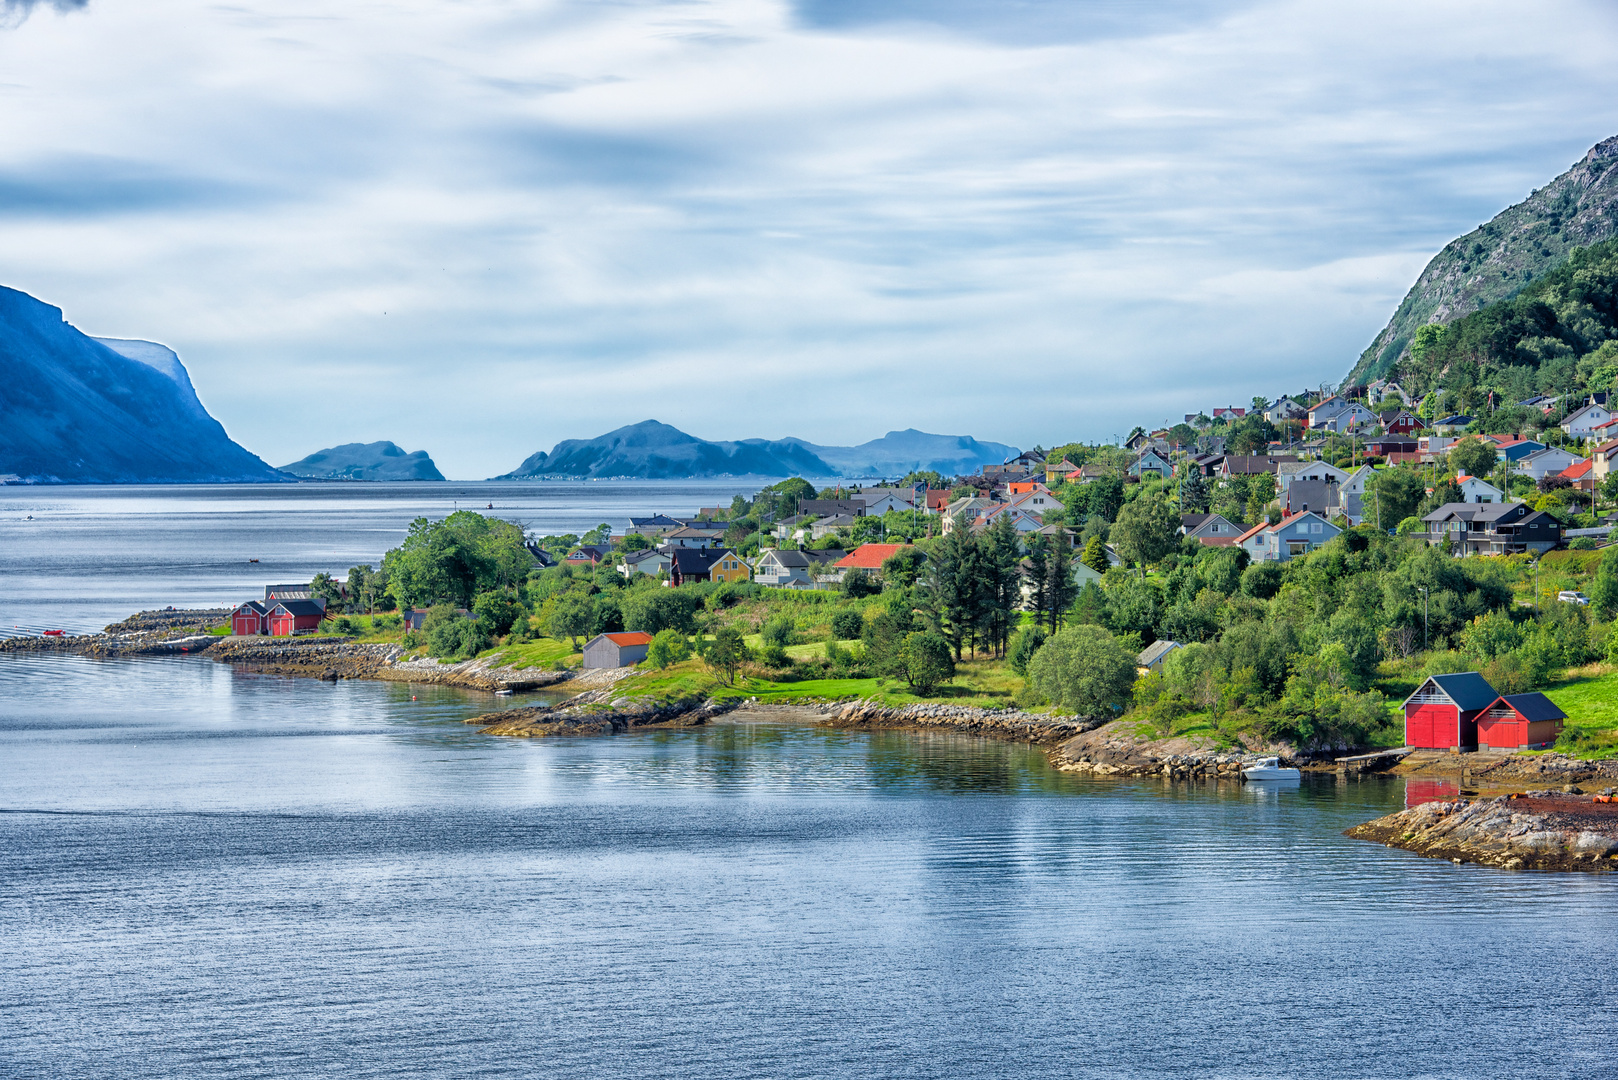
1170,542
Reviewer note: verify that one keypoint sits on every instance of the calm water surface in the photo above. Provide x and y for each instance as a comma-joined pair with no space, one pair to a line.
78,558
205,872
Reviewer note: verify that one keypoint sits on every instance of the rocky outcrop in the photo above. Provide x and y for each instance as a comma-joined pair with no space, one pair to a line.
1541,830
1009,724
1116,749
333,658
589,714
188,620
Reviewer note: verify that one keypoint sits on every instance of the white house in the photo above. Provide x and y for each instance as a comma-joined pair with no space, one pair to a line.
1214,527
650,562
1546,462
1581,424
1288,471
1342,416
1474,490
788,569
1284,409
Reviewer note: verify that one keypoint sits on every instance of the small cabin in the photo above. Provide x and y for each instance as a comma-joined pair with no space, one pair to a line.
616,650
250,619
289,617
1520,722
1443,712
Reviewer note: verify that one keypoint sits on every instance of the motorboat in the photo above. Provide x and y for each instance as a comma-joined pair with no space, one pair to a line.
1270,768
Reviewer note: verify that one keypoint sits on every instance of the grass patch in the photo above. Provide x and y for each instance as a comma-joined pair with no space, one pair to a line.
544,653
1589,696
983,683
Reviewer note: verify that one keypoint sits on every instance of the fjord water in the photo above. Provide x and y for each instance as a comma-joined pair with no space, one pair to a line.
77,558
210,872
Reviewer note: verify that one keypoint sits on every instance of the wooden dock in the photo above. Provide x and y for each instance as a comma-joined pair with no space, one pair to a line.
1381,759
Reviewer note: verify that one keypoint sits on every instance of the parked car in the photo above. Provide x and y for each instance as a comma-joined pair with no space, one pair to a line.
1572,596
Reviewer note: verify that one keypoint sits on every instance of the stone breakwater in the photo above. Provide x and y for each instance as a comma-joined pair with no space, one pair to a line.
1008,724
145,643
1538,831
170,619
595,713
334,658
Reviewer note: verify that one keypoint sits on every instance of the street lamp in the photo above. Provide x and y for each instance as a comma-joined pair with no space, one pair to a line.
1423,589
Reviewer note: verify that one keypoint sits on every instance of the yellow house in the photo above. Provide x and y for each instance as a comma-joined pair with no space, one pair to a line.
1060,471
732,567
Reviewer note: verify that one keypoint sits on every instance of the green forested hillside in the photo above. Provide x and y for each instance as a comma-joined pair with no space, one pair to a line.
1495,260
1559,335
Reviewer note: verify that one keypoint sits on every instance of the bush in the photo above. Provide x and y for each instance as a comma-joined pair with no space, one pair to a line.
858,582
844,663
1582,543
1086,669
1262,580
497,609
1023,647
457,638
777,632
847,624
344,625
927,661
668,647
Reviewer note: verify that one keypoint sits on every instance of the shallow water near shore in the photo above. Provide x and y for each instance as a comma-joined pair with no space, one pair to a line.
208,872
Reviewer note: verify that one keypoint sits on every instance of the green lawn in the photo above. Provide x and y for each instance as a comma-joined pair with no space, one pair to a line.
544,653
1589,696
984,683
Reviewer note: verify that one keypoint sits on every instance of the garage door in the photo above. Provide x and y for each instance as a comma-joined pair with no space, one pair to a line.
1431,726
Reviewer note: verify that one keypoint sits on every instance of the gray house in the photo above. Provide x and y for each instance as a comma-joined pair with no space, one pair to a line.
786,569
616,650
1296,535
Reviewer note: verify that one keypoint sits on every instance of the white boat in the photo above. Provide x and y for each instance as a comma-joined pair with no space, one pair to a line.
1270,769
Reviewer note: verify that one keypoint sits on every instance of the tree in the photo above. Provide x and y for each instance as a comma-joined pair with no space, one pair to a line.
667,647
1182,435
1023,647
1001,567
1194,494
726,653
572,616
1086,669
1251,434
904,566
324,588
651,609
1146,530
933,480
455,559
498,609
1395,494
847,623
927,661
1473,456
635,542
1095,555
884,638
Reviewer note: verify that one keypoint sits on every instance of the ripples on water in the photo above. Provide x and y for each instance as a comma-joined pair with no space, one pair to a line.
205,872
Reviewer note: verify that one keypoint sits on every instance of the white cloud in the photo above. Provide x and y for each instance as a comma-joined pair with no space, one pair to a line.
479,228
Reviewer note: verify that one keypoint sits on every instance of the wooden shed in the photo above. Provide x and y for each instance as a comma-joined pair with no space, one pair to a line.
1443,712
616,650
250,619
1520,722
295,617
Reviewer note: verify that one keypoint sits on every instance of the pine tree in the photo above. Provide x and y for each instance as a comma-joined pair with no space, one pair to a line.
1002,557
1095,555
1194,494
1059,587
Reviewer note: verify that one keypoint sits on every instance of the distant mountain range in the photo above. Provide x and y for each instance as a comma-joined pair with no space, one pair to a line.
76,409
365,461
1494,261
655,451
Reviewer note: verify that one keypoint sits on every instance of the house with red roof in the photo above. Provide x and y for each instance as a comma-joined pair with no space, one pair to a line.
1297,534
1581,473
867,557
617,650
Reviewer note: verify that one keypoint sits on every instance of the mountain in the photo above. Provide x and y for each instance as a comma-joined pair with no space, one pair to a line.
74,409
900,452
656,451
1495,261
365,461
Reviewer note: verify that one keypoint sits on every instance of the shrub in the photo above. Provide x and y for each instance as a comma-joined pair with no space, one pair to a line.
654,609
1023,647
858,582
777,632
1262,580
668,647
844,663
1582,543
726,653
1086,669
457,638
927,661
344,625
847,624
498,609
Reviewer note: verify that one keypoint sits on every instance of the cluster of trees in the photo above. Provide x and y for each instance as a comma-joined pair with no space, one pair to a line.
1559,335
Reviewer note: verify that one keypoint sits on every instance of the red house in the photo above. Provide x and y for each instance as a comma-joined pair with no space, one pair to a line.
1443,712
249,619
1520,722
290,617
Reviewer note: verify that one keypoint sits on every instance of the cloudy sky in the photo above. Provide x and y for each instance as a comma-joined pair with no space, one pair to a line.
479,227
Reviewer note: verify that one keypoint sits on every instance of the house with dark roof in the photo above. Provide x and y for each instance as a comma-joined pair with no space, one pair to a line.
1298,534
1400,422
1493,528
1206,527
289,617
250,619
653,562
1520,722
652,526
589,555
783,568
1252,465
695,564
1443,712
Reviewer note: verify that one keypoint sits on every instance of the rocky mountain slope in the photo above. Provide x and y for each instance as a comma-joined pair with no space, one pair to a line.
365,461
656,451
1493,261
74,409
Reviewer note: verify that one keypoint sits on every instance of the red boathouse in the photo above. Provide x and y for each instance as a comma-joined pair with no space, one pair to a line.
1520,722
294,617
249,619
1443,712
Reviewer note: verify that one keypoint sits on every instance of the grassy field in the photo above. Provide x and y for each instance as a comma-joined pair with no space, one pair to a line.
1589,696
983,683
544,653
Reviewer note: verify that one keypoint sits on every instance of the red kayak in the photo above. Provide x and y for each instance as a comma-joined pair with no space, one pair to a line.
54,633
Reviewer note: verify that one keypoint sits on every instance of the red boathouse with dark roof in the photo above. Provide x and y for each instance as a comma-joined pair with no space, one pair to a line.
1520,722
295,617
1443,712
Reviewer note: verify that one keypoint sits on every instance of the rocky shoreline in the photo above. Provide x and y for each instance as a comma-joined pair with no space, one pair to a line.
1539,830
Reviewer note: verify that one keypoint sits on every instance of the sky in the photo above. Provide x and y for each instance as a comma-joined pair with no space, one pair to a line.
480,227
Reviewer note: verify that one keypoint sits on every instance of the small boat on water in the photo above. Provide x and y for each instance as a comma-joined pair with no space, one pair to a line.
1270,768
53,633
252,560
